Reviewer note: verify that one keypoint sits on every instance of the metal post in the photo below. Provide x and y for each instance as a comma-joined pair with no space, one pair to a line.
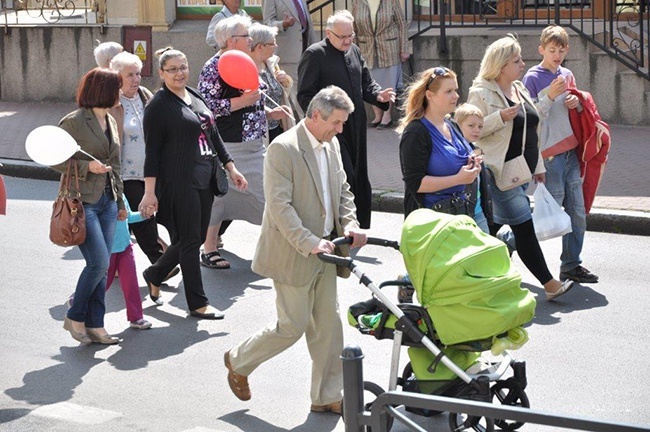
352,358
442,42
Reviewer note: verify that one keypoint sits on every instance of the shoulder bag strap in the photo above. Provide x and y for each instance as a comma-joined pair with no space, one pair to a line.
523,107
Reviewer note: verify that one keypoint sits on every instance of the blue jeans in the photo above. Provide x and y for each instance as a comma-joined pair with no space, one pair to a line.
88,305
564,183
481,221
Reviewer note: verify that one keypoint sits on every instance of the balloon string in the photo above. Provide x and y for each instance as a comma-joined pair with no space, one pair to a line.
91,156
276,104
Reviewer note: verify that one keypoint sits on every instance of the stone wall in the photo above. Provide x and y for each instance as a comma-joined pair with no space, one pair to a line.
45,63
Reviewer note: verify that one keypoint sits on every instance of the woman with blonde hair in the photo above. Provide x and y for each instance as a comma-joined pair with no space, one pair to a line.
440,168
509,133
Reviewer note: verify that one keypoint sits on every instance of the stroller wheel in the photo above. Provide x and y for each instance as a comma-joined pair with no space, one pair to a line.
375,390
463,422
508,393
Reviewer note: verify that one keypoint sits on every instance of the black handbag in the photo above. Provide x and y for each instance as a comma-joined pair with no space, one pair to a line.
463,203
219,181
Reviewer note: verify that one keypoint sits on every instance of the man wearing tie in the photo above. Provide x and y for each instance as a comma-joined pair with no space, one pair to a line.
308,203
295,34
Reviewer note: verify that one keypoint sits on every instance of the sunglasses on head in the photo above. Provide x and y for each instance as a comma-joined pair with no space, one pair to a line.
438,71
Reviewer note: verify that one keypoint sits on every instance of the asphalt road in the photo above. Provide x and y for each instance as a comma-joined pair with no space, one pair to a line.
587,355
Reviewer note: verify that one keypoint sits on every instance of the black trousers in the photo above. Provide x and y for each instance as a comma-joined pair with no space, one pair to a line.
187,236
145,232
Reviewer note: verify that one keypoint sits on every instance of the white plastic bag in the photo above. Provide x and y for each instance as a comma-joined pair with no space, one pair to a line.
548,217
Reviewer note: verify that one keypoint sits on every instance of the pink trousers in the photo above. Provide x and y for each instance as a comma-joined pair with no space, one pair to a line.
124,263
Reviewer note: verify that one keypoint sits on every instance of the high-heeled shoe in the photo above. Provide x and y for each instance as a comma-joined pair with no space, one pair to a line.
105,339
156,299
78,336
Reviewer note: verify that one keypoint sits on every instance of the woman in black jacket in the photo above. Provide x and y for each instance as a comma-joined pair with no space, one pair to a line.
181,142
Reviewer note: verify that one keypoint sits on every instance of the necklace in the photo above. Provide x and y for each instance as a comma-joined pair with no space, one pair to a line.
133,102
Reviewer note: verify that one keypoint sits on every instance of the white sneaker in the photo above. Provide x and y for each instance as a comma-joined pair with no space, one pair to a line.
141,324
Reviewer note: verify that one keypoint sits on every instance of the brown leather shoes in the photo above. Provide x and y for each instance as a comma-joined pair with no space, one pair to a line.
238,383
335,407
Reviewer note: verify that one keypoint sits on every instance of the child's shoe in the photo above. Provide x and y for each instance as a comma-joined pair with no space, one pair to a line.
141,324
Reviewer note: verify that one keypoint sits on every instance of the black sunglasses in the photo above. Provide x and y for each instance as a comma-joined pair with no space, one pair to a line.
438,71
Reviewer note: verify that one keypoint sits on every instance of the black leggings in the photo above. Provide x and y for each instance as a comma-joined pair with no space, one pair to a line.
529,250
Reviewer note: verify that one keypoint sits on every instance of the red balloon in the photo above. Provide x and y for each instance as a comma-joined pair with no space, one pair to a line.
238,70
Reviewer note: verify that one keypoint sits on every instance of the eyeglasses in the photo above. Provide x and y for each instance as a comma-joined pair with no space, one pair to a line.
350,36
175,70
273,44
438,71
242,36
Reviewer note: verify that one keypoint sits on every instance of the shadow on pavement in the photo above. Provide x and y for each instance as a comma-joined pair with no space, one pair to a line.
244,421
57,383
580,297
11,414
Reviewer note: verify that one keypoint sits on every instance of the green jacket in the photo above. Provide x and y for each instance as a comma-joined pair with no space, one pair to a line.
85,129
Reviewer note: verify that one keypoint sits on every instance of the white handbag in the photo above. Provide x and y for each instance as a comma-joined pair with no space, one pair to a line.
515,172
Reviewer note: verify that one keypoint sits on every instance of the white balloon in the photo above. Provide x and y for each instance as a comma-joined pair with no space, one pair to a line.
50,145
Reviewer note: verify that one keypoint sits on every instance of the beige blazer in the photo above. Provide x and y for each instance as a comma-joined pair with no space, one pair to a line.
294,214
495,138
290,40
387,39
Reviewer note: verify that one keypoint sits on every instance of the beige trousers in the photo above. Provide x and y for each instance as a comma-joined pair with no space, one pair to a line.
311,310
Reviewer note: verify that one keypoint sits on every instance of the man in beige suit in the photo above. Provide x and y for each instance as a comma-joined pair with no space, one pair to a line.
308,202
295,34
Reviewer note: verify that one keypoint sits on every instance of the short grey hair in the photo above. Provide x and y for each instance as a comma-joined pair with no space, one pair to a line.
104,53
329,99
226,28
125,59
262,34
164,54
339,16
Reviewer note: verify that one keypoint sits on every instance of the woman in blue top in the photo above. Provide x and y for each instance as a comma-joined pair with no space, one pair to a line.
438,164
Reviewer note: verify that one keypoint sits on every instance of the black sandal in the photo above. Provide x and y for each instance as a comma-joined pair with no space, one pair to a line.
206,260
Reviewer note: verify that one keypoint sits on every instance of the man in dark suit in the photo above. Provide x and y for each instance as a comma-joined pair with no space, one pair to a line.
307,203
336,60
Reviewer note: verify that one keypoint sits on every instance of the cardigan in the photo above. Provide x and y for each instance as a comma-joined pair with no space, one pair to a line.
171,132
415,150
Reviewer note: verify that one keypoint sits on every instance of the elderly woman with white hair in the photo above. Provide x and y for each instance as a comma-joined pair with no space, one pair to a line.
129,114
105,51
278,82
242,121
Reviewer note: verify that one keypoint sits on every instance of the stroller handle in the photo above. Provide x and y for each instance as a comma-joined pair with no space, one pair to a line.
347,261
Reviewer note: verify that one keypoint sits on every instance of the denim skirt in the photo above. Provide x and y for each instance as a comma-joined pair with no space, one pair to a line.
511,207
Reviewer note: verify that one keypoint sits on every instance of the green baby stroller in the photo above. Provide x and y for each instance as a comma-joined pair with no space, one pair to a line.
470,302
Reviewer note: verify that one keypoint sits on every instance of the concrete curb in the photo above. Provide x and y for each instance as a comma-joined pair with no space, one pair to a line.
601,220
27,169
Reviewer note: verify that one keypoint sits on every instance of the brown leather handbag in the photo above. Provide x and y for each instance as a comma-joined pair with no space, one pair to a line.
68,222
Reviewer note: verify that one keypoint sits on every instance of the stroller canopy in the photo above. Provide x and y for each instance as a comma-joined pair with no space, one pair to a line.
463,277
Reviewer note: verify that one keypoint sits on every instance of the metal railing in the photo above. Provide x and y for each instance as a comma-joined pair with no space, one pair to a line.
357,419
52,13
619,27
